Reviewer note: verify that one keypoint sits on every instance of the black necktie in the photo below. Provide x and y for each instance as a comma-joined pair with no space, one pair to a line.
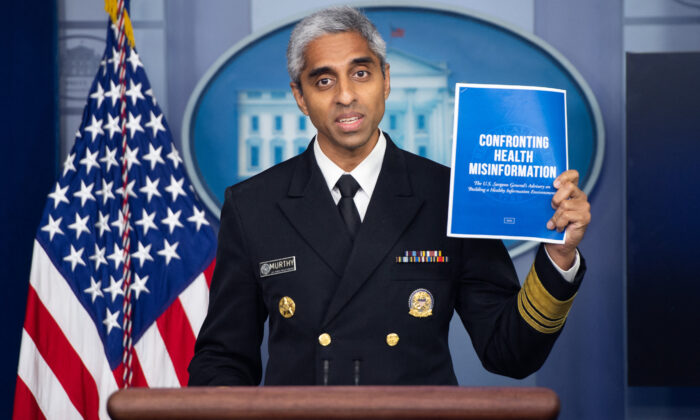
348,187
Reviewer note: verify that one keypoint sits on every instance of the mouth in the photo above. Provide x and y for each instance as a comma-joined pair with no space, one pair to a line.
349,122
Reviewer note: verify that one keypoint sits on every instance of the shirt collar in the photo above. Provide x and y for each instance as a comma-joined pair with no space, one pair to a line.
366,173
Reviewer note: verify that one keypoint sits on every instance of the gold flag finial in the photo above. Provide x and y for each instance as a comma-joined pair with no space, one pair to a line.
112,8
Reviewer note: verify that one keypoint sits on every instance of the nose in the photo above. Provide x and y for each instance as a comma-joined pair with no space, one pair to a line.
345,94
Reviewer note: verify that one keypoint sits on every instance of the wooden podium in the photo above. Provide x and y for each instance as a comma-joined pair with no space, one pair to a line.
334,402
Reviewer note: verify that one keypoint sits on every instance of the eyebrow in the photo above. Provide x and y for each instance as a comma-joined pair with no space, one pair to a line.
326,69
362,60
319,70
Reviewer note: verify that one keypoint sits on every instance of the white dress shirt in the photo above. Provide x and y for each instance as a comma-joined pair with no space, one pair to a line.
367,173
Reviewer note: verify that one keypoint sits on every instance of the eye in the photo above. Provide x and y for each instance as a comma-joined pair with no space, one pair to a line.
324,82
362,74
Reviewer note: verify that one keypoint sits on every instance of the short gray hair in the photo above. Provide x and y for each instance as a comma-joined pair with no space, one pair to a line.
331,21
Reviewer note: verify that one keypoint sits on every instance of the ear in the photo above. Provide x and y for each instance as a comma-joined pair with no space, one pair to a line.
299,97
387,84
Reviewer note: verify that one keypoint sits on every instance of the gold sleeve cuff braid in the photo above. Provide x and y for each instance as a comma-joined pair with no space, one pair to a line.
112,8
539,308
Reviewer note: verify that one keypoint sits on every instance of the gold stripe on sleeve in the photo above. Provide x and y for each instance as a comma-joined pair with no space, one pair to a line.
539,308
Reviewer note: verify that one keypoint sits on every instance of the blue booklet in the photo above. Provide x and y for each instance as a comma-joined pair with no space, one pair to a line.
509,144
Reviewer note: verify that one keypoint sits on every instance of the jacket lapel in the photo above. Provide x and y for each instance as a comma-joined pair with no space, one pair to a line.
311,210
391,209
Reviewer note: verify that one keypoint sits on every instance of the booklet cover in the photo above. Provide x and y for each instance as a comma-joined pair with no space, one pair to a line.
509,144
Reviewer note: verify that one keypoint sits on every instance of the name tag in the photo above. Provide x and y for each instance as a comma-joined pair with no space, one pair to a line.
278,266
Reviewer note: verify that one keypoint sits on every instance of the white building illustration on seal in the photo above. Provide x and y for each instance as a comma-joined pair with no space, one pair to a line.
418,117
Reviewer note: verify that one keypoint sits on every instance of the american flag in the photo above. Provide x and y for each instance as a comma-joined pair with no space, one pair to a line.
93,251
397,32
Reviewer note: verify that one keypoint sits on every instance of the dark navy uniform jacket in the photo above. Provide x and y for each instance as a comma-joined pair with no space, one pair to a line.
350,296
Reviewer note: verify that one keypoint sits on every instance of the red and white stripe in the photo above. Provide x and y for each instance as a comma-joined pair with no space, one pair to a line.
63,372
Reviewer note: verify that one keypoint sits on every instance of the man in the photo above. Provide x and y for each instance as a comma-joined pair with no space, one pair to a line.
312,243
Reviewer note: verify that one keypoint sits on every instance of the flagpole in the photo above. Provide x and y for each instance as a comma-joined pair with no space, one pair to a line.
127,342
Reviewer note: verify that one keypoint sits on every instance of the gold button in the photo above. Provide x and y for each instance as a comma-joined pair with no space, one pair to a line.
324,339
287,307
392,339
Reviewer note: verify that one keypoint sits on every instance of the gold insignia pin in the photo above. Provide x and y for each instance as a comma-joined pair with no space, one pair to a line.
420,303
287,307
392,339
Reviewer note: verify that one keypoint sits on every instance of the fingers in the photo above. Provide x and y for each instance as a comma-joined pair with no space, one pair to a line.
572,210
567,176
576,217
564,193
567,188
570,204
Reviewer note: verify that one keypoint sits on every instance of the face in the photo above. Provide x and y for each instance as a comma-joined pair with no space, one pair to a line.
343,92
